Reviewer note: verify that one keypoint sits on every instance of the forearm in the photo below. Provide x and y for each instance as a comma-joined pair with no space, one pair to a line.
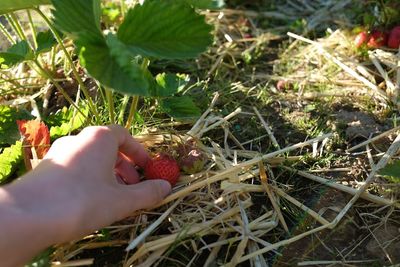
28,221
22,234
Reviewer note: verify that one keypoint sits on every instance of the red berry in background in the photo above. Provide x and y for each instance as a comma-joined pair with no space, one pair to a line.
282,85
394,38
377,39
361,39
162,166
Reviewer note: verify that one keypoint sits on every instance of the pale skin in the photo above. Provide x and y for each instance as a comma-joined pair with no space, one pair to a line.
74,191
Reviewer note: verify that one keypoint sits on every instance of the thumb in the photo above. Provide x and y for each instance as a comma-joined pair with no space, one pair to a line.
145,194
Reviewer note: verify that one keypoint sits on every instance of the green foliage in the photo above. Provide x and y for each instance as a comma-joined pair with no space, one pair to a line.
45,41
157,29
9,159
8,128
12,5
80,19
69,122
169,84
17,53
392,171
163,29
181,107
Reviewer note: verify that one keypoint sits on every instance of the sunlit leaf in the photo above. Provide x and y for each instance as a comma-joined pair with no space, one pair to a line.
70,123
164,29
8,129
17,53
12,5
9,159
392,171
113,66
45,41
35,134
169,84
181,107
78,18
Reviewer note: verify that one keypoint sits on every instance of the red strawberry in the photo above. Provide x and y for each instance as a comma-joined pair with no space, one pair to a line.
162,166
394,38
377,39
361,39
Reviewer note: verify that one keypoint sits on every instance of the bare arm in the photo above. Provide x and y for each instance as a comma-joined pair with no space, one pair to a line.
74,191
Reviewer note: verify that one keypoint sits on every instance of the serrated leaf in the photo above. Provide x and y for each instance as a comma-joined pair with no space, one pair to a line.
9,159
17,53
73,123
35,134
12,5
8,129
206,4
165,29
45,41
112,65
169,84
392,170
78,18
181,107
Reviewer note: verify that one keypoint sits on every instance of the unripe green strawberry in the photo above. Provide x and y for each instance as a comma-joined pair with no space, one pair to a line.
192,162
162,166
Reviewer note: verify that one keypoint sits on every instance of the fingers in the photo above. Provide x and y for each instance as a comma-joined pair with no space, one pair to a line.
129,146
126,170
143,195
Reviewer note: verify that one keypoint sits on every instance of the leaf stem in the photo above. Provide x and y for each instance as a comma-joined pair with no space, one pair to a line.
47,75
110,100
13,19
33,28
132,111
124,104
84,89
5,32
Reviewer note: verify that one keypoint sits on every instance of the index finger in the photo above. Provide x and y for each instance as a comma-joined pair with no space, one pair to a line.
131,148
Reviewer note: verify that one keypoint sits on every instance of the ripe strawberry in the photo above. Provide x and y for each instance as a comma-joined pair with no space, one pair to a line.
394,38
361,39
162,166
377,39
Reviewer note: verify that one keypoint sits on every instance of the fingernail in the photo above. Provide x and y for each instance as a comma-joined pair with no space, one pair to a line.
165,187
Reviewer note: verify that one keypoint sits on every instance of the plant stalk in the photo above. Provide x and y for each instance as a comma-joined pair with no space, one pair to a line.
33,28
132,111
47,75
124,104
85,91
110,100
5,32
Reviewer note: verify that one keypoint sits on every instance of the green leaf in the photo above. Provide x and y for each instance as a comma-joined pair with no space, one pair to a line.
206,4
17,53
113,65
181,107
78,18
71,123
8,128
45,41
165,29
12,5
9,160
392,171
169,84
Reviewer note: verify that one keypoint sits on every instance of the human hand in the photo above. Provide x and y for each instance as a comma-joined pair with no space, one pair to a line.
75,187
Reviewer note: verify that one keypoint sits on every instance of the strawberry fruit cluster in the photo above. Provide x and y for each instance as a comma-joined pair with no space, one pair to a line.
378,38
